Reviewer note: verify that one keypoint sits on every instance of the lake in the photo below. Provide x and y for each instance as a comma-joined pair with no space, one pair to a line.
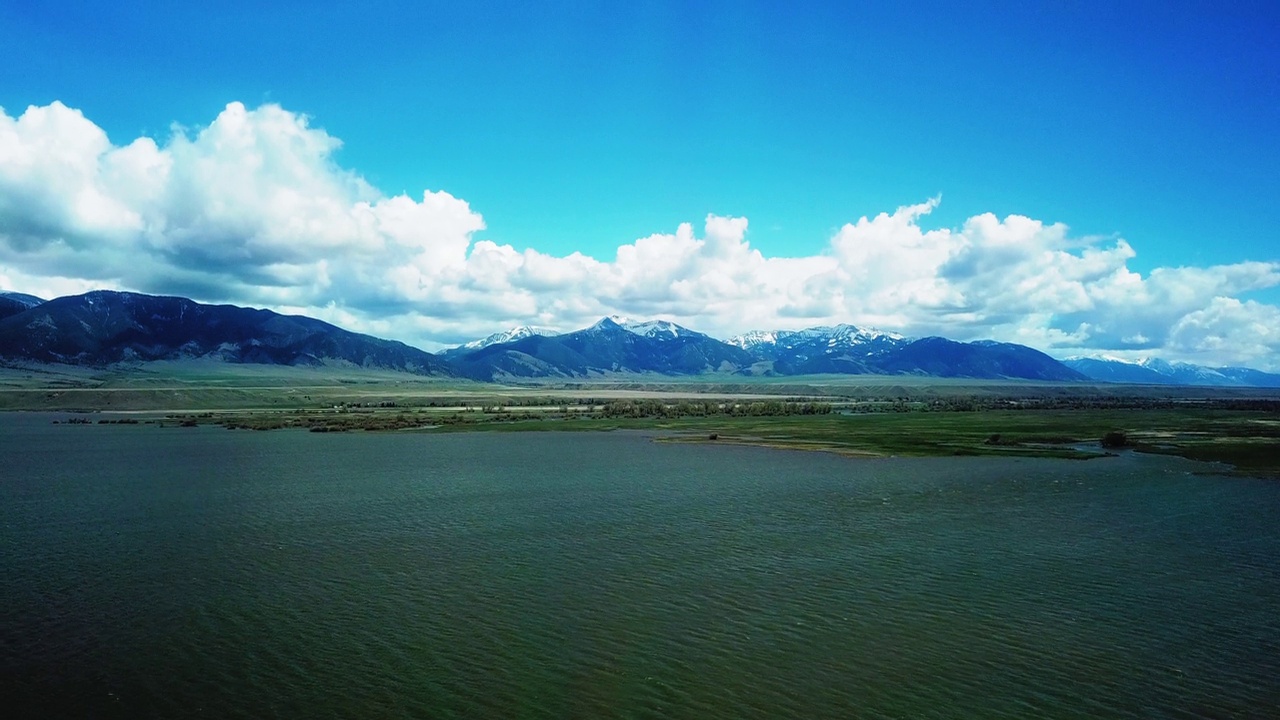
201,572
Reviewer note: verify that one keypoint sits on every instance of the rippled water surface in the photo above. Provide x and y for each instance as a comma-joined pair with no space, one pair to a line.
155,572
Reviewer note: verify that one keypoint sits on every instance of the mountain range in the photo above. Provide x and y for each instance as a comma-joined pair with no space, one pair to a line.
1153,371
498,338
107,327
612,345
823,349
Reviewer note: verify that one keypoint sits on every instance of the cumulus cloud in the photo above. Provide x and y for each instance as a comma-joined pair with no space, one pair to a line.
1234,332
253,209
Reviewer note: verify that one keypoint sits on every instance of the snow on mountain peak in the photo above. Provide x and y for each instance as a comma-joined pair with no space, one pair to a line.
1176,372
662,329
656,328
833,335
754,338
506,336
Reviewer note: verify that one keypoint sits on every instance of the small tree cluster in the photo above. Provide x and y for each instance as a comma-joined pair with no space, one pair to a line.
685,408
1115,439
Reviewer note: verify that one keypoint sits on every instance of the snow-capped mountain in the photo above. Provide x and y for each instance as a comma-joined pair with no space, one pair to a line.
1186,373
1154,371
612,345
656,329
830,336
822,349
506,336
621,345
755,338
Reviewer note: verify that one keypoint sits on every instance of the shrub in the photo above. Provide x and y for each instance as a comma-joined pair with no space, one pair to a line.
1114,439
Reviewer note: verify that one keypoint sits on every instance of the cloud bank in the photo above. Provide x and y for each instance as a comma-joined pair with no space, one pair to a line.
253,210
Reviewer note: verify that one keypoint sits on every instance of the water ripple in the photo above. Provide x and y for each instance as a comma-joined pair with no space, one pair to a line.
565,575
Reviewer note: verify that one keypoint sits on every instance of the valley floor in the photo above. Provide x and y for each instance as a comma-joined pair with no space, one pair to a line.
850,415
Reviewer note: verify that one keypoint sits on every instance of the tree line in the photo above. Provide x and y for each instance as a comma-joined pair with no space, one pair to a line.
686,408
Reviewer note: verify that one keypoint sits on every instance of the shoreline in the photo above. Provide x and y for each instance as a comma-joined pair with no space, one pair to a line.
1246,443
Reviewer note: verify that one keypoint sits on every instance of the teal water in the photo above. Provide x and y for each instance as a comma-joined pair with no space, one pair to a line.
152,572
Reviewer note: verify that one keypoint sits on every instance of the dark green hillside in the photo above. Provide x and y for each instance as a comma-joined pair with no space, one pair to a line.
947,358
105,327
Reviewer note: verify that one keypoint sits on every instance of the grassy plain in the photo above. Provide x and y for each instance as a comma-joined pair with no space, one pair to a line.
1249,440
872,416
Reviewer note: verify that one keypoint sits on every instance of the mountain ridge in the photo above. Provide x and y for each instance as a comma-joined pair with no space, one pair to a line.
843,349
608,346
518,332
12,303
108,327
616,344
1154,371
104,327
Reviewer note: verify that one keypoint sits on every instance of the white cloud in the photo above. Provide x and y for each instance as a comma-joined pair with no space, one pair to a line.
253,209
1233,332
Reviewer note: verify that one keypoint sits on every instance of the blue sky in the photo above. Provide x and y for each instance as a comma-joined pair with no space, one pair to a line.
583,127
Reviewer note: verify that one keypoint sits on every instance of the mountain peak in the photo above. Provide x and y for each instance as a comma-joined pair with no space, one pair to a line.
28,300
662,329
609,322
12,303
519,332
657,329
834,336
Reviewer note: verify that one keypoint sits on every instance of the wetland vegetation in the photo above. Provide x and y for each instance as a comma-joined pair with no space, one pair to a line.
857,416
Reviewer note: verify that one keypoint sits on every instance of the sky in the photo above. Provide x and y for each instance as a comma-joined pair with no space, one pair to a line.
1084,177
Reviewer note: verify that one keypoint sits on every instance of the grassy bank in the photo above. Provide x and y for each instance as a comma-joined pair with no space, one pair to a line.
1248,440
859,416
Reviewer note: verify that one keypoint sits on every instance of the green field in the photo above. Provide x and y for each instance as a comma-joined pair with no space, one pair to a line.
1248,440
868,416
